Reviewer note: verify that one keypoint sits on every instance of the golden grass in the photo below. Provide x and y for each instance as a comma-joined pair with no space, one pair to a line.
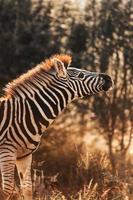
82,176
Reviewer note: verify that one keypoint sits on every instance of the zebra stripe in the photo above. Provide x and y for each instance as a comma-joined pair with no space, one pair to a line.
30,106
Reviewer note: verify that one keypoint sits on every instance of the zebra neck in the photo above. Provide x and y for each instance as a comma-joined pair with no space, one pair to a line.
47,98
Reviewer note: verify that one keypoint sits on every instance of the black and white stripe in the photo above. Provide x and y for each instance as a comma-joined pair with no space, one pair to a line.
31,109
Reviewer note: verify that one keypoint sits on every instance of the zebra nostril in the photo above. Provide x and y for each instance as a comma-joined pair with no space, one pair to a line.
102,81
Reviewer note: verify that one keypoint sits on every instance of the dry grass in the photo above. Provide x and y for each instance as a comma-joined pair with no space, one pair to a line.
83,176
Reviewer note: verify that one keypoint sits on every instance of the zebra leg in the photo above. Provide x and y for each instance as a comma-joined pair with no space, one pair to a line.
7,166
24,171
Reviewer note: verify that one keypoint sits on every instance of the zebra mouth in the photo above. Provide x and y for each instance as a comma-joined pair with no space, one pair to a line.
107,82
107,86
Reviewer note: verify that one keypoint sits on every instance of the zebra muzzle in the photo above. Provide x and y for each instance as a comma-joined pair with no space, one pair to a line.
108,82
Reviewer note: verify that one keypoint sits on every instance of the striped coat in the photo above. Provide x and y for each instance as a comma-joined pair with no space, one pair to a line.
30,105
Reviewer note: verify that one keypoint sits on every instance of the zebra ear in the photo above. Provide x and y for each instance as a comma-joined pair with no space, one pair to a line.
60,68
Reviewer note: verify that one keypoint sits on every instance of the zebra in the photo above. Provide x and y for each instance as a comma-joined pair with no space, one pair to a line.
29,105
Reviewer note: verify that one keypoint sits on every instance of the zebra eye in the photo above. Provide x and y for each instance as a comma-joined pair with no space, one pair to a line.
81,75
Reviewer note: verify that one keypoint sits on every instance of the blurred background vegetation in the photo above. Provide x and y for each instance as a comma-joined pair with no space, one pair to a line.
93,131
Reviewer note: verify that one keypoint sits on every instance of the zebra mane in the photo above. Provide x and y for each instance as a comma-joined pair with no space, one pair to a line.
45,66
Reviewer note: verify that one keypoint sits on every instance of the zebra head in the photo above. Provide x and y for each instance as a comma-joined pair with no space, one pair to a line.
82,82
